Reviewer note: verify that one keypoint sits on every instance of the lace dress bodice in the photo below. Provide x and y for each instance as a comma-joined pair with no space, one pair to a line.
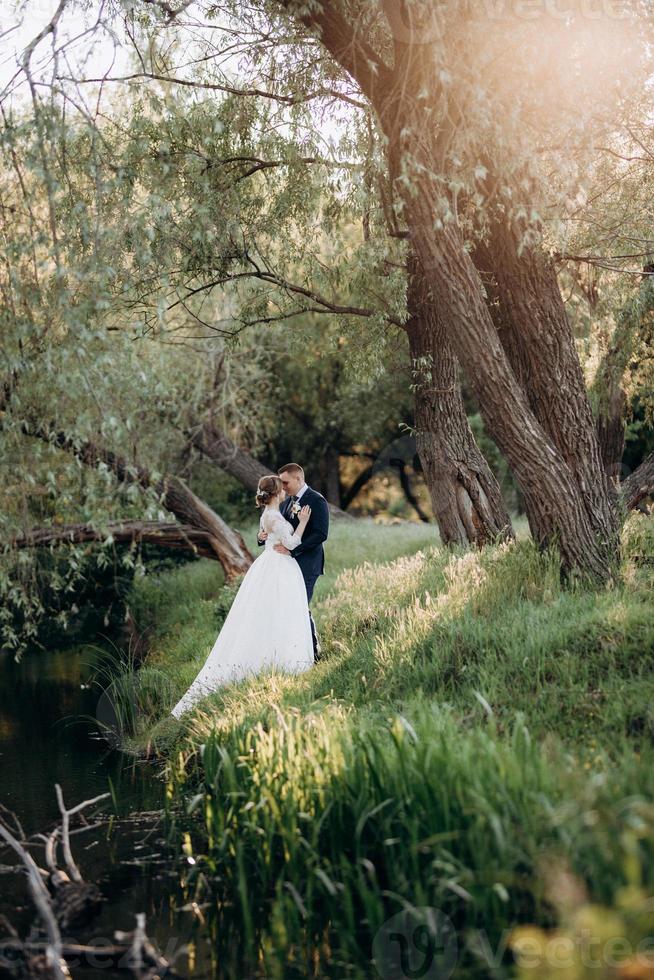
279,530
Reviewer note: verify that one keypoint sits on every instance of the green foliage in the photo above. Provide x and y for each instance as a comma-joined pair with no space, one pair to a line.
639,434
158,207
638,536
61,596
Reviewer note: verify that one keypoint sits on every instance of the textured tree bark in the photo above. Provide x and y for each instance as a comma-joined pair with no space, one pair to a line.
181,537
534,330
220,449
555,508
416,118
228,545
466,497
639,484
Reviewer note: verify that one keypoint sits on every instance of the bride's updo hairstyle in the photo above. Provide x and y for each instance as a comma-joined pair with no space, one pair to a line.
269,487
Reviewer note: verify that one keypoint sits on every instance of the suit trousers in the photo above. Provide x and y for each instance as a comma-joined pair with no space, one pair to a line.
310,582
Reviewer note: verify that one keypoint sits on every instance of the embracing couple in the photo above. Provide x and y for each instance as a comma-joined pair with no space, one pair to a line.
269,623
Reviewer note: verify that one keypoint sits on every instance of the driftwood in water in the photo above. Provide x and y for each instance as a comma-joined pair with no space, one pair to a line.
50,963
135,952
63,899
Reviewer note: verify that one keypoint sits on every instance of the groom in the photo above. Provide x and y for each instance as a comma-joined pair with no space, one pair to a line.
309,554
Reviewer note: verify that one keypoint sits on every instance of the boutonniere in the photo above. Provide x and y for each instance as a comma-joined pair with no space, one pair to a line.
296,507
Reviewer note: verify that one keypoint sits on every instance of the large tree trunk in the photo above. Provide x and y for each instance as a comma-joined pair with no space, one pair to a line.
534,330
466,497
408,108
228,545
556,510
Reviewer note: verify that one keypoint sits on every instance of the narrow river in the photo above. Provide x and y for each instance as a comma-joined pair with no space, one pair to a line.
45,739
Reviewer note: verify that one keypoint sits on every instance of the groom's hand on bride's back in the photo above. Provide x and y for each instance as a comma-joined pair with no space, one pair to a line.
281,549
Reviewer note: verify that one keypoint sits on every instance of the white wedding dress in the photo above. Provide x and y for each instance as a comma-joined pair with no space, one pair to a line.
268,622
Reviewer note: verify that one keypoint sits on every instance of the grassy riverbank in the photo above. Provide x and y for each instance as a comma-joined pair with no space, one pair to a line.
477,741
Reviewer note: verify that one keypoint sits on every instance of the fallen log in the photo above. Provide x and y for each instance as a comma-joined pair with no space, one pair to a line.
180,537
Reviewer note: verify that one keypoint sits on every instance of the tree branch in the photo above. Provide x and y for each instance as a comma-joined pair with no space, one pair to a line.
224,453
290,100
357,485
346,43
229,546
282,283
408,492
181,537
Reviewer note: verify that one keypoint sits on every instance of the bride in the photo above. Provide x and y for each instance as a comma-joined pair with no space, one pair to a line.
268,623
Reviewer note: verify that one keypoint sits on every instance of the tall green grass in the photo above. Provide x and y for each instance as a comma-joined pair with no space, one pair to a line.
475,735
318,827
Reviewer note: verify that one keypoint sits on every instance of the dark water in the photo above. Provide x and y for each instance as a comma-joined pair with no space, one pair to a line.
44,739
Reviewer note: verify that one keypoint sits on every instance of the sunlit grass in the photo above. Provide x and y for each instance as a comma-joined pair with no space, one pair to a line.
472,724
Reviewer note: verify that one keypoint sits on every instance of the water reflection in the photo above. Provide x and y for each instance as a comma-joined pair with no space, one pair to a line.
45,740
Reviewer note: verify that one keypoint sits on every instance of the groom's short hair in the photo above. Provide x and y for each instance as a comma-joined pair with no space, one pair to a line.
291,468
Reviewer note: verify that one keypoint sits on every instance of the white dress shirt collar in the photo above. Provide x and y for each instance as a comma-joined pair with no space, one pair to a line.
301,490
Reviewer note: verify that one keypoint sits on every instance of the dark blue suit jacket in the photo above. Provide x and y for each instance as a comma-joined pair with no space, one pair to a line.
310,554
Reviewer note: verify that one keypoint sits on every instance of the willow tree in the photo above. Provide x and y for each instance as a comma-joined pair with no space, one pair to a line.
481,140
468,103
609,266
84,453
